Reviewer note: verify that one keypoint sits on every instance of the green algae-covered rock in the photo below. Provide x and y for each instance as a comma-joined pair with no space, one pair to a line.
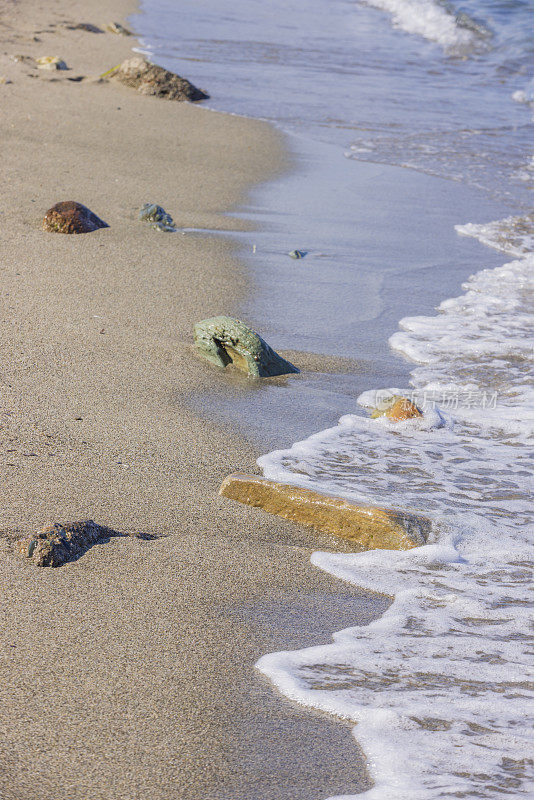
225,340
161,221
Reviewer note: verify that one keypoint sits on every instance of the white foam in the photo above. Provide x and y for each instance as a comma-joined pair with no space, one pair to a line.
525,95
525,173
480,345
511,235
438,686
435,22
521,96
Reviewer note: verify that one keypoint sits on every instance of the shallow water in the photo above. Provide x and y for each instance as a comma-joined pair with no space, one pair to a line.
439,685
440,97
407,82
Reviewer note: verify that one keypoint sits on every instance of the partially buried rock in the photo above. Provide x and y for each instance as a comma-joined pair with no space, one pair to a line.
370,527
158,217
56,544
397,408
225,340
148,78
71,217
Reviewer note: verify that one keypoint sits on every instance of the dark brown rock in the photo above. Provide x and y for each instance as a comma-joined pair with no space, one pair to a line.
148,78
71,217
85,26
56,544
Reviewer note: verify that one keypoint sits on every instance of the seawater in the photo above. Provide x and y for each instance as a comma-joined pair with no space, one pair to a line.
438,686
436,86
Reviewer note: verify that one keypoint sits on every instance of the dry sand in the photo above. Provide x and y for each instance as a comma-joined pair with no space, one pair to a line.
129,673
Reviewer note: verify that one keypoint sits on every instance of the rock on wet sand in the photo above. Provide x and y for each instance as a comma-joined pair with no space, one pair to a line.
85,26
71,217
116,27
150,79
158,217
225,340
368,526
56,544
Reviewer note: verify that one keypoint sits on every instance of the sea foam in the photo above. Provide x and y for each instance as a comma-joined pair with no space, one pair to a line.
438,686
456,33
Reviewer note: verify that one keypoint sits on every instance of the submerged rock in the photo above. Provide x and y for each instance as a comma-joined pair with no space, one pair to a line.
150,79
71,217
397,408
161,221
56,544
50,62
225,340
368,526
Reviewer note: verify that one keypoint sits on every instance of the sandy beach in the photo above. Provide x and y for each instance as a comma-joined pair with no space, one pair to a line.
129,673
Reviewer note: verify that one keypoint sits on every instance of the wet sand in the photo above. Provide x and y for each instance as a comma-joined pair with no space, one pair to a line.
129,673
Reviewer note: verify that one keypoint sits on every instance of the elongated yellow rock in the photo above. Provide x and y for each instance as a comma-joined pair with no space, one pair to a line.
368,526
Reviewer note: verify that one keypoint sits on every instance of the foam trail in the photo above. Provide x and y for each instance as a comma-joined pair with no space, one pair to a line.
438,686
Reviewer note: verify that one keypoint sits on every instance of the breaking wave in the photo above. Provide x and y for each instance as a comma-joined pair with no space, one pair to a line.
457,33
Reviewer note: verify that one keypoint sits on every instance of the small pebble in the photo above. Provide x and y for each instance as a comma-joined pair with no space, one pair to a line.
116,27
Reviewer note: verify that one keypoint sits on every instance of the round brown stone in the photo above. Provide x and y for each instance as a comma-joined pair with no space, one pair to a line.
71,217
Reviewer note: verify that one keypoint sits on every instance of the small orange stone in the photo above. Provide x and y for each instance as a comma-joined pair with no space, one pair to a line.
402,409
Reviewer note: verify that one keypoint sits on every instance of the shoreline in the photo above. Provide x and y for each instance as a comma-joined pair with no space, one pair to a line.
436,274
130,671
